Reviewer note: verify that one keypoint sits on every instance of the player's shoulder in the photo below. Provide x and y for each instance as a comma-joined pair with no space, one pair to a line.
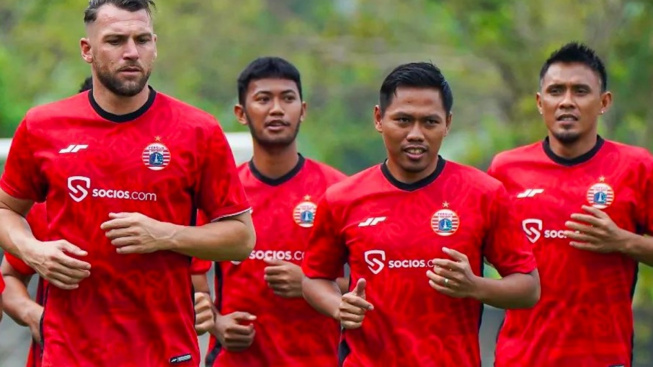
630,151
352,187
518,155
187,113
472,176
330,173
63,109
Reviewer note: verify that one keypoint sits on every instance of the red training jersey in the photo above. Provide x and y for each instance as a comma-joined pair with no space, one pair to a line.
390,232
289,332
165,160
584,317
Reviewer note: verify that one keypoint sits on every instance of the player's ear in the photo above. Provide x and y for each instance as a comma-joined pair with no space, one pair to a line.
448,123
239,111
378,116
538,99
606,101
154,38
303,114
85,48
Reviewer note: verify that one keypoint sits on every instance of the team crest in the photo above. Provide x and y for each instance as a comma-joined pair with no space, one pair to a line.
445,222
304,213
600,195
156,156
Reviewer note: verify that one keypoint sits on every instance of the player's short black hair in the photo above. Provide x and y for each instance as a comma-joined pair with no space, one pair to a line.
415,75
575,52
267,68
90,14
87,84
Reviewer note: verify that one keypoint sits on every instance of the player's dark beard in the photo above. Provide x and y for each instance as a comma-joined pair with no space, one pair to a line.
120,88
275,143
566,137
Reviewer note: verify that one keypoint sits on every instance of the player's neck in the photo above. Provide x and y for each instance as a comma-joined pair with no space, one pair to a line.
574,150
119,105
275,163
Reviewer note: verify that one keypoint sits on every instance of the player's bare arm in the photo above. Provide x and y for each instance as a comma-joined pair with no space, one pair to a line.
235,331
49,259
17,302
230,238
204,312
594,230
349,308
455,278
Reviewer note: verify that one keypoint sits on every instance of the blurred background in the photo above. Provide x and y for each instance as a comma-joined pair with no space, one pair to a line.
490,50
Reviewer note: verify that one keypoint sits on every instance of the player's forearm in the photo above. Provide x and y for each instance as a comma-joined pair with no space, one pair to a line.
18,304
15,233
343,284
639,248
200,283
323,294
512,291
224,240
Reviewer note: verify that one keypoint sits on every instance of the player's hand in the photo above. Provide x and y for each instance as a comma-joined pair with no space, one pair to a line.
235,331
135,233
34,321
595,231
454,278
52,261
284,278
204,316
353,307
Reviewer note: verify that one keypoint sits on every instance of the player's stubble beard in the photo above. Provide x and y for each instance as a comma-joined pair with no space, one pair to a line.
566,137
274,143
122,88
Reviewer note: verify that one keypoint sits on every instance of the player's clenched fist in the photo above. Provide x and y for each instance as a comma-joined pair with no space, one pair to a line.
135,233
353,307
234,331
52,262
284,278
455,277
204,316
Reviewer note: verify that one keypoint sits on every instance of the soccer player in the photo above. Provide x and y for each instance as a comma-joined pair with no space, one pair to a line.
264,320
584,202
123,168
415,230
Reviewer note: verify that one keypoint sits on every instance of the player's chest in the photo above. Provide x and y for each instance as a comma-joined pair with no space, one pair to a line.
415,227
115,161
283,216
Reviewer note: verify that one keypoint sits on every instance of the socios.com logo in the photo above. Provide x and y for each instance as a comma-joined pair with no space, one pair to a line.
79,187
377,260
534,228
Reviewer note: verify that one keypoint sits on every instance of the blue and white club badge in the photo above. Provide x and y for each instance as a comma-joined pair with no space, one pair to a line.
600,195
304,213
156,156
445,222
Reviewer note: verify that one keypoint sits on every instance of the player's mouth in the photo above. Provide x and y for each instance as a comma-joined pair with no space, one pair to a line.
130,70
415,152
568,117
276,125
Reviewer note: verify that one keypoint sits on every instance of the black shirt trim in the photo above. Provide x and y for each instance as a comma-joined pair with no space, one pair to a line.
572,161
126,117
277,181
415,185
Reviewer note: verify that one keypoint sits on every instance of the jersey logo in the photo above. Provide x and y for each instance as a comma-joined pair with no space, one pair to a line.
529,193
156,156
375,260
600,195
369,222
532,228
78,186
304,213
73,148
445,222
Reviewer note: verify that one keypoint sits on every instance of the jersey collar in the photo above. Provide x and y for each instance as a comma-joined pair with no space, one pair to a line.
572,161
277,181
126,117
415,185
